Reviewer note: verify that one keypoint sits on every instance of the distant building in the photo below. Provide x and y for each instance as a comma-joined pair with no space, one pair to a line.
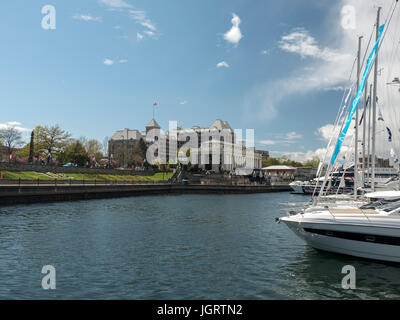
219,140
305,173
264,154
280,173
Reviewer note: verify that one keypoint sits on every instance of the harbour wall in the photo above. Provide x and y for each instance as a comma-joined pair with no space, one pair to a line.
26,194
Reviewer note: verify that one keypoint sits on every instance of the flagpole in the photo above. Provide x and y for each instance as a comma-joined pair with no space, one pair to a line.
356,131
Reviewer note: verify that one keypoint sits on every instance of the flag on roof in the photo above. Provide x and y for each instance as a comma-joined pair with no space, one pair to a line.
390,134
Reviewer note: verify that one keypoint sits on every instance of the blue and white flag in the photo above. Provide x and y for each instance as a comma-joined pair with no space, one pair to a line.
357,98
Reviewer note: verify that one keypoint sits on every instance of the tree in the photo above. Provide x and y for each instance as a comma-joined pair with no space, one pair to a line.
75,152
12,138
51,140
93,148
24,151
313,163
281,161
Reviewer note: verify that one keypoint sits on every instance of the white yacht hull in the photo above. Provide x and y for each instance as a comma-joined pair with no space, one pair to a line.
297,188
371,242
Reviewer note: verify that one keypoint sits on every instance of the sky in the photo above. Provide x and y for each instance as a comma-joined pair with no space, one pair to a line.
278,67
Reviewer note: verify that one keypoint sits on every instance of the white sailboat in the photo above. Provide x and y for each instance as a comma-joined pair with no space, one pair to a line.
354,225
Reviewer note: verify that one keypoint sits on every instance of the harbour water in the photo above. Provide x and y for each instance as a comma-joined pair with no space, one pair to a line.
175,247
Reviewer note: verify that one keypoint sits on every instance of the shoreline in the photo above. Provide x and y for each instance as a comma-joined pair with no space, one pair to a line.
29,194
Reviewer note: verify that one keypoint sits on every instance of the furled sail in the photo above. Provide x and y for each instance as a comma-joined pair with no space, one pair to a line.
357,98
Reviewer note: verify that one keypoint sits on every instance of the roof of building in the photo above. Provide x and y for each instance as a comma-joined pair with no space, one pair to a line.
278,168
220,124
153,124
127,134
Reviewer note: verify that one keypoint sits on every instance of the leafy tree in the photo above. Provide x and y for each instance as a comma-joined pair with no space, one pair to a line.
75,152
313,163
12,139
24,151
271,161
51,140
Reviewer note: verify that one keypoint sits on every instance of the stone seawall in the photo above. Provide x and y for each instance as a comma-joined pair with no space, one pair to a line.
25,194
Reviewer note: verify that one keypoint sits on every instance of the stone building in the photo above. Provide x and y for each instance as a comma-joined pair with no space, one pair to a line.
213,148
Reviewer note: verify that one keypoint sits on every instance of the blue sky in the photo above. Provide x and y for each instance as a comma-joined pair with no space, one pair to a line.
108,61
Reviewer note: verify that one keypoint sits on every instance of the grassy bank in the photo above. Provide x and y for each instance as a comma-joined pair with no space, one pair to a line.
31,175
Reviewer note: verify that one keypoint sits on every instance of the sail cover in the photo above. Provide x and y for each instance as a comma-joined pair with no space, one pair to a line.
357,98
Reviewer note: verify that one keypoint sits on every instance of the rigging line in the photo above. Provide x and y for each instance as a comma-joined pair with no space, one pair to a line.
327,151
330,167
367,48
387,23
392,55
335,124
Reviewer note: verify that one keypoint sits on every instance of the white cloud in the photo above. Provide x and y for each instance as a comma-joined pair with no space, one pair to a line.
87,17
301,42
183,102
140,17
108,62
299,156
321,68
139,36
222,64
267,142
13,124
151,34
293,135
115,4
265,52
234,35
286,139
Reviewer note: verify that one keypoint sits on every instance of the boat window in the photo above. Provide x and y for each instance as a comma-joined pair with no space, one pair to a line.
390,206
380,204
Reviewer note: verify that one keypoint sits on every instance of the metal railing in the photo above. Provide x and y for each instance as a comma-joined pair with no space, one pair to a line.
65,182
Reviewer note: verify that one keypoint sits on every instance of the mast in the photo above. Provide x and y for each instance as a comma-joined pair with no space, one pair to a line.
369,135
356,180
374,103
364,128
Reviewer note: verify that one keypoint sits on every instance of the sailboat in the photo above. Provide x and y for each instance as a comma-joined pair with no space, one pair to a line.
364,224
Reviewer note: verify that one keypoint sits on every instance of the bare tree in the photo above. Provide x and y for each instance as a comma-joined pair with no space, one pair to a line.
11,138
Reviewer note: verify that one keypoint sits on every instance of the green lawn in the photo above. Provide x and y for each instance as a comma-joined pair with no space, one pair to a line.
30,175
